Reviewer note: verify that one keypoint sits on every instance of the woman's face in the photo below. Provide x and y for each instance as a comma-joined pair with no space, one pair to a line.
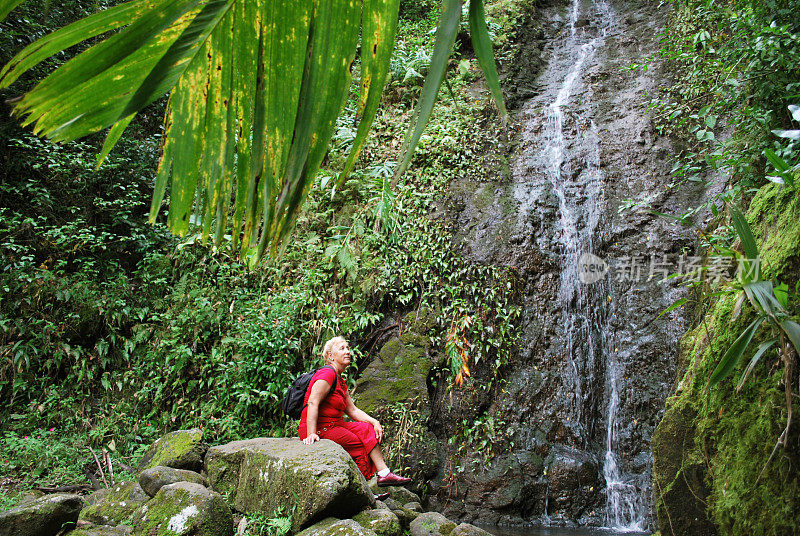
340,355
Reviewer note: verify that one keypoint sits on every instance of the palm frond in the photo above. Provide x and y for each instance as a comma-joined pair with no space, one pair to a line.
255,89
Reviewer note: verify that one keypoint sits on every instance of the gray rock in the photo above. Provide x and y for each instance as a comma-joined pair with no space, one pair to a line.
466,529
399,494
272,475
154,478
44,516
381,521
431,524
184,508
114,505
182,449
405,515
335,527
414,506
101,530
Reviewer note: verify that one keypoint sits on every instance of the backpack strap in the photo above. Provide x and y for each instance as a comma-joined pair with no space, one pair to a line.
333,387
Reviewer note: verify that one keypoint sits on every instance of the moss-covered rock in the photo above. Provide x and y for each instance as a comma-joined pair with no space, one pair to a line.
467,529
336,527
184,508
398,494
400,371
45,516
269,475
381,521
404,514
182,449
114,505
102,530
154,478
679,483
431,524
712,447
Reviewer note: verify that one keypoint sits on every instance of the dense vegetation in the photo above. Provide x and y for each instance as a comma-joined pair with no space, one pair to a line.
113,331
737,71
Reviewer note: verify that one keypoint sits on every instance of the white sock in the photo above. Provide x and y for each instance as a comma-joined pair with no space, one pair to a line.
383,472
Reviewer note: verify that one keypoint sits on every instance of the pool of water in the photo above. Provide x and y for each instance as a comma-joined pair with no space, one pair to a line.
555,531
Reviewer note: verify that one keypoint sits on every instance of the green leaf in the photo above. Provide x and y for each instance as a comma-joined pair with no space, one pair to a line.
731,358
672,307
763,347
792,330
443,45
77,32
795,111
112,138
379,19
779,163
762,296
750,268
6,6
482,45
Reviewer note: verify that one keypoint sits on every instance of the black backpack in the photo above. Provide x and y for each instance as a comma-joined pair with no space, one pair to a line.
292,403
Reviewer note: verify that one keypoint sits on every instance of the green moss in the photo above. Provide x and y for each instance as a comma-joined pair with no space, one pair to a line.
182,449
717,441
775,216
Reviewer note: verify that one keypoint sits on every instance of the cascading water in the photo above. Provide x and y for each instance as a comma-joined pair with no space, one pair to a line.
572,167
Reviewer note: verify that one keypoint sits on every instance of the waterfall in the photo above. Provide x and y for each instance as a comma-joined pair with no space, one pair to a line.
585,307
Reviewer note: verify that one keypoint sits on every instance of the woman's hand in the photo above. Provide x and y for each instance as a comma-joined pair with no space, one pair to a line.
311,438
378,431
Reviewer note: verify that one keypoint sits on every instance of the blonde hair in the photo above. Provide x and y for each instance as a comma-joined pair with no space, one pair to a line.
326,350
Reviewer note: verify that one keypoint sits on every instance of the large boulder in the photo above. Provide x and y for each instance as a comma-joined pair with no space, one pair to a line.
270,476
182,449
336,527
381,521
431,524
466,529
184,508
400,371
101,530
114,505
155,478
45,516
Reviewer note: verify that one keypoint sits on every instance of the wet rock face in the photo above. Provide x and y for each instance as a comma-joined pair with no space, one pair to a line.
589,350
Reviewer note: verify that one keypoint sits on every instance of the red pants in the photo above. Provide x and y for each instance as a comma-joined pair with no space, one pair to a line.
357,438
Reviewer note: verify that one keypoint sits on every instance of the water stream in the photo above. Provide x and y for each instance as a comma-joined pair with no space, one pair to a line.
569,159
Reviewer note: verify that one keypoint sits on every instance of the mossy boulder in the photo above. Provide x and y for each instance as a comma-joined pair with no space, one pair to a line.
337,527
114,505
431,524
467,529
400,371
151,480
381,521
404,514
269,475
678,482
184,508
182,449
398,494
102,530
45,516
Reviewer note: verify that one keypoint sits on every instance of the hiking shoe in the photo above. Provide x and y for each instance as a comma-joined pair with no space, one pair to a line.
393,480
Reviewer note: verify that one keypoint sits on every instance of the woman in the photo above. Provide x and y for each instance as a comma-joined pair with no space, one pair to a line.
322,417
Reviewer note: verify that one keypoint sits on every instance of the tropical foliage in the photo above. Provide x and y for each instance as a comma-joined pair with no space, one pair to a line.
255,89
